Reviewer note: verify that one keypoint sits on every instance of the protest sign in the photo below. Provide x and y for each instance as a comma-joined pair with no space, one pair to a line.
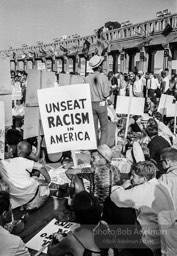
67,118
32,125
66,79
5,80
45,236
7,99
16,91
166,106
2,130
37,80
171,108
136,108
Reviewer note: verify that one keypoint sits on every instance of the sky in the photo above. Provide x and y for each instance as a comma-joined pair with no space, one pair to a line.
29,21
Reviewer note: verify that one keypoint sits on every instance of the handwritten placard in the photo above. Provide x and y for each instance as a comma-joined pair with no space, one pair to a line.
44,237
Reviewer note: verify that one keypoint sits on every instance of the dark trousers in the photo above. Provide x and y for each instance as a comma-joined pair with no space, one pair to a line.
125,218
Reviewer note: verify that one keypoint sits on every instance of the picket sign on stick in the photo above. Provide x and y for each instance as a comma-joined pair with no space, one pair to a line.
2,130
175,118
67,118
128,115
73,153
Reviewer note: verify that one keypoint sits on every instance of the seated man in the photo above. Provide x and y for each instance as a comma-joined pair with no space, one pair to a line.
168,159
24,189
101,174
10,244
149,197
168,226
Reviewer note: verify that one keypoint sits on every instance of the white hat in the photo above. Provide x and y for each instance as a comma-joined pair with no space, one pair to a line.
145,117
105,151
96,61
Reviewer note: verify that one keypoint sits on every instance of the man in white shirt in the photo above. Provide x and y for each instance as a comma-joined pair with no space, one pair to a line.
168,229
152,85
149,197
24,189
10,245
165,82
168,160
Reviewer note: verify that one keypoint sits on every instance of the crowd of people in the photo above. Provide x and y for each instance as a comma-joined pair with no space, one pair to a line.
133,180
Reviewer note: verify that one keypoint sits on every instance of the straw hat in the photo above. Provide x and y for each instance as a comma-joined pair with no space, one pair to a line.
145,118
96,61
105,151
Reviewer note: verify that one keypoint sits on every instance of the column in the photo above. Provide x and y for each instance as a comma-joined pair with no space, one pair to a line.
77,65
65,64
143,60
122,62
106,63
131,60
165,57
34,63
126,62
174,57
115,62
151,60
44,61
16,65
54,64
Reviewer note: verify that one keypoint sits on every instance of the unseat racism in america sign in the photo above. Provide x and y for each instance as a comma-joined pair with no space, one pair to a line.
67,118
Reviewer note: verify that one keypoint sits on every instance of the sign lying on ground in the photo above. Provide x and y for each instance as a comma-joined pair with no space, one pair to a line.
2,130
45,236
5,80
67,118
136,108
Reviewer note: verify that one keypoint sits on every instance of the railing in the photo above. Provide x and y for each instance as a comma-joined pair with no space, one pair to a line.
124,33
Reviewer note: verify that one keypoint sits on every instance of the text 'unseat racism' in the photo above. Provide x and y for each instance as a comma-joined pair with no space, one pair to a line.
68,119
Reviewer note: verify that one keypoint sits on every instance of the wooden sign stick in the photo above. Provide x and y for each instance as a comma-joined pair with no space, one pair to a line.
73,152
175,118
128,115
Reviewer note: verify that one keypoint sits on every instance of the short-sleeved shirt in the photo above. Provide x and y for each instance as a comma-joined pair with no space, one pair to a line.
11,245
16,172
99,86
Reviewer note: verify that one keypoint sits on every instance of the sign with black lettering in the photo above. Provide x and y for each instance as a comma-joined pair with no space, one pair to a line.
45,236
67,118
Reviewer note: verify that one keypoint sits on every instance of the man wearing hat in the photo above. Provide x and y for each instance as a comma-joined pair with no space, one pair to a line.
99,88
102,175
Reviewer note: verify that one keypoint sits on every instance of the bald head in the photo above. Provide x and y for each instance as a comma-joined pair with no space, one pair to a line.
24,149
